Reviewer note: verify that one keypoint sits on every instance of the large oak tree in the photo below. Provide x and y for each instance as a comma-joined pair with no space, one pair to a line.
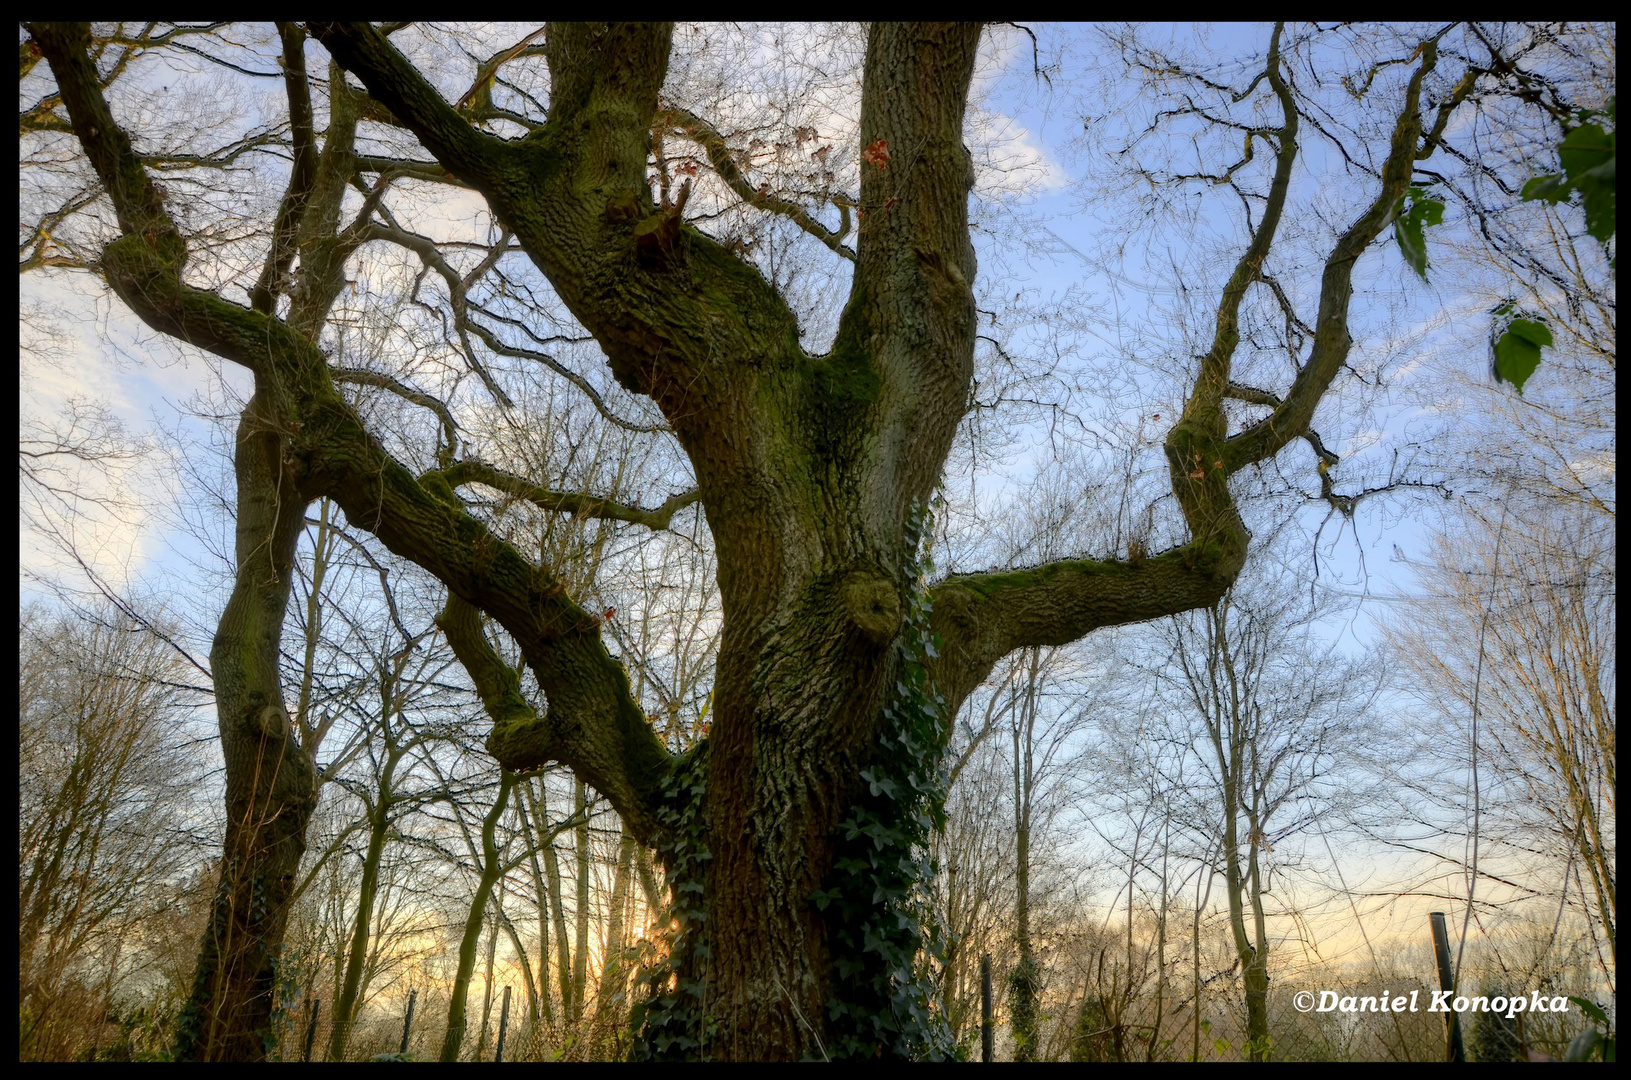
811,469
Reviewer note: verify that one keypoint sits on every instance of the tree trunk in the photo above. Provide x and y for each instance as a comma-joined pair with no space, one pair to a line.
532,835
580,956
1256,972
611,1007
487,987
470,942
344,1013
563,945
271,785
528,981
1023,982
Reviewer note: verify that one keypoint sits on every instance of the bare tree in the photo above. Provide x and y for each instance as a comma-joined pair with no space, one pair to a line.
1275,720
104,779
1517,656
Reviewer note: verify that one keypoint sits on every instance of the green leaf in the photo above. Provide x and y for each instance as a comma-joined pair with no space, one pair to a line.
1551,187
1517,351
1414,212
1588,157
1585,148
1597,196
1592,1010
1532,331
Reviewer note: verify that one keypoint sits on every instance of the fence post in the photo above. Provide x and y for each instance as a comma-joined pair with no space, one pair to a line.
503,1024
985,1008
407,1022
314,1004
1446,982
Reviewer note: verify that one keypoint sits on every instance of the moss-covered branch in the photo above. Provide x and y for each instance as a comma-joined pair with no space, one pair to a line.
1332,340
983,617
567,502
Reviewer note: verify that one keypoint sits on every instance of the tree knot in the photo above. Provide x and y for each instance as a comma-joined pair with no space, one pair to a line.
872,604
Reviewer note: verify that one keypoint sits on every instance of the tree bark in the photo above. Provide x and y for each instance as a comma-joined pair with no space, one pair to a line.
271,787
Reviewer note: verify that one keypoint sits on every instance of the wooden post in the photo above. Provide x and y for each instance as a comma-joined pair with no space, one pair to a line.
503,1023
407,1021
1446,981
986,1048
314,1005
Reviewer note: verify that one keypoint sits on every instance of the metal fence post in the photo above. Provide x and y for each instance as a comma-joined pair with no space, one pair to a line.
986,1049
407,1021
1446,982
503,1024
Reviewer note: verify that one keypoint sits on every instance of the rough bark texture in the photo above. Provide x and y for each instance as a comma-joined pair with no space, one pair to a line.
808,468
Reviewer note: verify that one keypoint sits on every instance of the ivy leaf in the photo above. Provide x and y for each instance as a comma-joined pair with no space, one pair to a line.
1592,1010
1517,351
1551,188
1415,211
1587,154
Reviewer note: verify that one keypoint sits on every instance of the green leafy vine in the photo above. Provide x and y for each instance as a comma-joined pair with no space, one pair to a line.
883,933
672,1023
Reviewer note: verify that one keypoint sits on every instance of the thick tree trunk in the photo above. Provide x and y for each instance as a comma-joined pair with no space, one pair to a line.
270,781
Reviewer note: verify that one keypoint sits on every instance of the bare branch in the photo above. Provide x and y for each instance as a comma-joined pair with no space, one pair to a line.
566,502
708,137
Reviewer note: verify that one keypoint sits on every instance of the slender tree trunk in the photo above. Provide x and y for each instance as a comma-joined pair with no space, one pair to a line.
491,870
528,980
563,946
344,1013
610,1003
1160,949
1023,982
1253,961
487,988
532,835
580,955
1257,973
